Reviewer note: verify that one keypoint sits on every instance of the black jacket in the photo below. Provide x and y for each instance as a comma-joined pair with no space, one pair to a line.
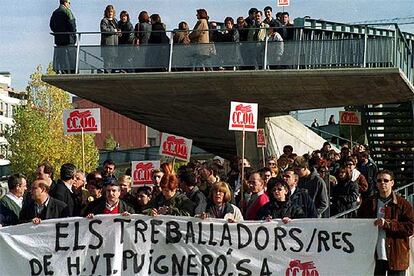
231,36
9,211
199,200
344,196
62,20
301,198
126,38
62,193
280,210
158,35
54,209
369,170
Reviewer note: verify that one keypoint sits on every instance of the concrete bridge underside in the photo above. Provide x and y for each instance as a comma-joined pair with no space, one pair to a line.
196,104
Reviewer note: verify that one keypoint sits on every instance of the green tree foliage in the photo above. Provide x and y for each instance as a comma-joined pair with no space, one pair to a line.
37,135
109,142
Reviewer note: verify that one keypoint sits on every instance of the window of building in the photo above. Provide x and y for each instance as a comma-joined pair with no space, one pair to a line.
152,141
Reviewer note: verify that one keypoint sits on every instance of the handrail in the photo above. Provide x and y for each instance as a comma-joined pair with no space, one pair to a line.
329,133
346,212
359,52
404,187
357,207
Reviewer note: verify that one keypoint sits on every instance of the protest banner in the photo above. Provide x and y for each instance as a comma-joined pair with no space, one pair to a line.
282,3
81,121
143,245
142,172
261,143
261,138
76,121
243,117
350,118
175,146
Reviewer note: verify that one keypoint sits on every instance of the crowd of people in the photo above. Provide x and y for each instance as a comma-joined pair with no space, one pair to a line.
151,30
286,188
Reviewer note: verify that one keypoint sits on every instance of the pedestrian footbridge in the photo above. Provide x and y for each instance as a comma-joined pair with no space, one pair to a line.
169,88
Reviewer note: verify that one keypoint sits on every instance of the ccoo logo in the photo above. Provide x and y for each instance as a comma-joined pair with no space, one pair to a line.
297,268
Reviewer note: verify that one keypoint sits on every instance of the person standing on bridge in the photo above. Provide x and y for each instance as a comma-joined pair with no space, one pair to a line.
109,38
63,21
395,221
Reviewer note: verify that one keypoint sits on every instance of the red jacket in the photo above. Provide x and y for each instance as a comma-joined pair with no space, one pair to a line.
399,224
251,212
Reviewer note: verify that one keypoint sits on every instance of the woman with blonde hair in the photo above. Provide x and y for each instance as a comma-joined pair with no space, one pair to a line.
109,37
220,207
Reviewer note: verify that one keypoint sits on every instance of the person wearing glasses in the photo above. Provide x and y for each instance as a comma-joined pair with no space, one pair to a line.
280,206
271,163
63,21
395,222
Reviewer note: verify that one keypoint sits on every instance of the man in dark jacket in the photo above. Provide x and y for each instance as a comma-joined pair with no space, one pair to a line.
395,221
369,171
313,183
300,196
63,21
188,184
42,206
63,190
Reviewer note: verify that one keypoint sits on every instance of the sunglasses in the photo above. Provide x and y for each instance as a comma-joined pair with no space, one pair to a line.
381,180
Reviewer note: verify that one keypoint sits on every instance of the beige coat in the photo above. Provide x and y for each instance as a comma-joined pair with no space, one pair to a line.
200,33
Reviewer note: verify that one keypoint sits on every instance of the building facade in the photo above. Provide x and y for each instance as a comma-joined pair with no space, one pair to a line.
126,132
9,99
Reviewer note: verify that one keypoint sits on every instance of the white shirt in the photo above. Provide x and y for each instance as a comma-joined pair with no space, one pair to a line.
69,186
17,200
381,246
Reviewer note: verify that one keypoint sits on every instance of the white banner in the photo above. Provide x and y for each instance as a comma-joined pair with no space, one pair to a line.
142,245
243,116
142,172
74,120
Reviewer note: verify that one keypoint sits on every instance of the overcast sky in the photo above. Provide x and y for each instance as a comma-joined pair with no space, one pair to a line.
25,41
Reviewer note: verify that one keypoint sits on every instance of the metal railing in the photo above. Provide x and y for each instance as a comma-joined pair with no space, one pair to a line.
306,51
338,138
406,191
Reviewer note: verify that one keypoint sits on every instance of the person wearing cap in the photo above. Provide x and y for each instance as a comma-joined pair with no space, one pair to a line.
280,206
